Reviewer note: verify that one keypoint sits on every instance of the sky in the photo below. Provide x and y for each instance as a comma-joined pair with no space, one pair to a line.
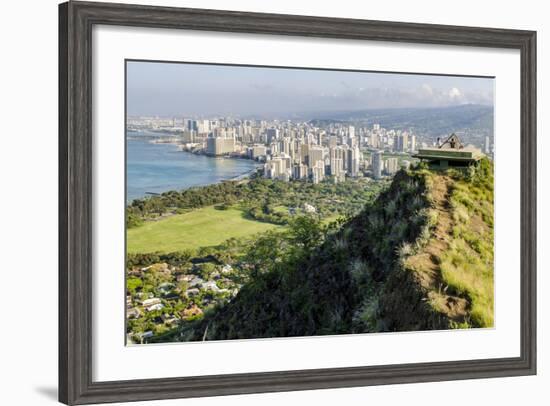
201,90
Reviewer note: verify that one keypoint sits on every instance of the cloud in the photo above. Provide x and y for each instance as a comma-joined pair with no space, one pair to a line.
427,89
455,93
423,95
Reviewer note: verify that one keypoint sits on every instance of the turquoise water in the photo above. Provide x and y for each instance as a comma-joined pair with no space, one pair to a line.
157,168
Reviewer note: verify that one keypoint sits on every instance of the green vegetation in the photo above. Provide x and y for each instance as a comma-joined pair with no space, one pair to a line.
207,216
467,267
190,252
203,227
455,264
416,255
262,199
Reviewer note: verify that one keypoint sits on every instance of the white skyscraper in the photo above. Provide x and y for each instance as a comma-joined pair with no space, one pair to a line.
337,162
315,154
401,142
299,171
354,159
377,164
272,135
318,172
374,140
391,166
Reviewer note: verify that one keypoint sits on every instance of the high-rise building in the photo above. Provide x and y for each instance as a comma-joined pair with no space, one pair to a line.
188,136
274,148
374,140
318,172
377,164
287,162
391,166
337,163
292,149
299,171
487,145
220,146
315,154
319,138
203,126
401,141
259,151
284,145
275,168
353,141
304,153
404,142
272,135
412,146
354,159
192,125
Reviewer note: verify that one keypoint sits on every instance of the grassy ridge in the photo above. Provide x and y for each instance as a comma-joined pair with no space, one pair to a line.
455,264
203,227
467,267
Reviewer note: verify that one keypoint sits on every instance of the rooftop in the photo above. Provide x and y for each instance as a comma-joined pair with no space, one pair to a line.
450,150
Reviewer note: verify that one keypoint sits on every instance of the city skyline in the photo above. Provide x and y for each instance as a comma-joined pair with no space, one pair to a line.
163,89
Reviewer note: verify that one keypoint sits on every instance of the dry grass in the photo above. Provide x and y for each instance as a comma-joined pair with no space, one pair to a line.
468,266
455,266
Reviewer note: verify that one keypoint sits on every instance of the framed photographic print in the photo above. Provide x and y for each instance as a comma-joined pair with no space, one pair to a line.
259,202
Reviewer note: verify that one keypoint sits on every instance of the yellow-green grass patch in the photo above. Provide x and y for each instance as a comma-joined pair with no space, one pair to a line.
203,227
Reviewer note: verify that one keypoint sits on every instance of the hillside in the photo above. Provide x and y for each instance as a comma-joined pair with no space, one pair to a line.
432,121
419,257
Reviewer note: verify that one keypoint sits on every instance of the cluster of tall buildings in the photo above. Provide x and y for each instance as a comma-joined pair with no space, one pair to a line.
385,166
296,159
289,149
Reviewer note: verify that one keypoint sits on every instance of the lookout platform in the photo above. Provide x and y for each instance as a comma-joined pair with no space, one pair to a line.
450,153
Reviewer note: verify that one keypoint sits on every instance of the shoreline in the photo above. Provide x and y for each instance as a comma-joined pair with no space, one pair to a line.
231,177
201,151
236,178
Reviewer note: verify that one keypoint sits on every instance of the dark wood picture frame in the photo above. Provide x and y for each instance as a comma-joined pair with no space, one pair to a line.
76,20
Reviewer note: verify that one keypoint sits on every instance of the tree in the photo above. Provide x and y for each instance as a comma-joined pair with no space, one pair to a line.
133,284
132,218
207,269
306,232
267,250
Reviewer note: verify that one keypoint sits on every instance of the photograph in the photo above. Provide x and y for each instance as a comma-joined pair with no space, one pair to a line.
271,202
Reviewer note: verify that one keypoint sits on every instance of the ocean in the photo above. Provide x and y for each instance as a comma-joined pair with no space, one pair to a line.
157,168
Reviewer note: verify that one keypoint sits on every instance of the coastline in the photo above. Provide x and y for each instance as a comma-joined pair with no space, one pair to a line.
151,160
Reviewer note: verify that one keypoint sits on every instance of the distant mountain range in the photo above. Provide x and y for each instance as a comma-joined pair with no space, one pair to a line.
427,121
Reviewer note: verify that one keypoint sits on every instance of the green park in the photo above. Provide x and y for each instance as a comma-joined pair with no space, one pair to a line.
203,227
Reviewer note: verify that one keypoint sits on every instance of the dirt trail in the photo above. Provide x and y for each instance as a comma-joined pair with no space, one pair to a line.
427,263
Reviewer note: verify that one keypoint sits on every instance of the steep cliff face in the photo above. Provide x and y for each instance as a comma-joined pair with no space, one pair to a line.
418,258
